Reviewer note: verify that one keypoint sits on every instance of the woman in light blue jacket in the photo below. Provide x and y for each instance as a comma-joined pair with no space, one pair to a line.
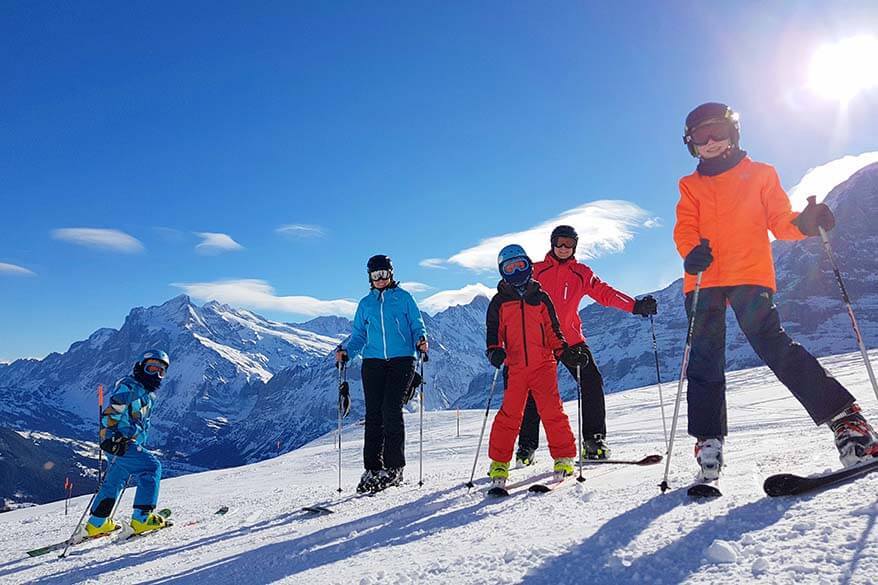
388,332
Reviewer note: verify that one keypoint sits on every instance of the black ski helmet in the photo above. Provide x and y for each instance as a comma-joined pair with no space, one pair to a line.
379,262
564,231
708,112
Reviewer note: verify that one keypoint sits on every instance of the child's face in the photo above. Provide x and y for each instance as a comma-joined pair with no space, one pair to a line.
713,148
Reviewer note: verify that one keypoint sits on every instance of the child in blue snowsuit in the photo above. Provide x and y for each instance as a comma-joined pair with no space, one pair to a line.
124,430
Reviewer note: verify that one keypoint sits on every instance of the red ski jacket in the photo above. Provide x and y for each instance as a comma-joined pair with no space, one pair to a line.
566,283
526,327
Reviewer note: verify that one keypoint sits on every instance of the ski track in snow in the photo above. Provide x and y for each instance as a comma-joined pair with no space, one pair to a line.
614,528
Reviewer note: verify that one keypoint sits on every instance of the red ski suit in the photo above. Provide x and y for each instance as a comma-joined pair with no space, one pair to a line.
566,282
528,329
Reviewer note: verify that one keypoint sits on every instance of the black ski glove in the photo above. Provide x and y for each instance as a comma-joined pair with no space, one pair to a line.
116,445
417,380
645,306
814,216
698,259
497,357
575,355
341,356
344,398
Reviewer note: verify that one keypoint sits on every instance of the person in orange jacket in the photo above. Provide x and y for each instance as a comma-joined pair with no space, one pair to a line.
726,209
567,281
523,333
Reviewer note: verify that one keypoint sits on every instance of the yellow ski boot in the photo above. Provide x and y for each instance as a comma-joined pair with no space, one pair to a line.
141,523
99,526
563,467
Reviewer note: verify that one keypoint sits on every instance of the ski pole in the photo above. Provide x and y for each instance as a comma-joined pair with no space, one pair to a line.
664,484
100,418
658,376
421,446
341,379
470,483
88,509
578,419
847,301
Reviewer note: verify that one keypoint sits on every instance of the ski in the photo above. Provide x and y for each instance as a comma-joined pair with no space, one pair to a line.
498,492
222,511
60,545
323,508
787,484
704,489
549,486
648,460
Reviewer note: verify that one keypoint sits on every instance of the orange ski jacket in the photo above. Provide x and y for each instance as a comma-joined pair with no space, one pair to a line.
734,211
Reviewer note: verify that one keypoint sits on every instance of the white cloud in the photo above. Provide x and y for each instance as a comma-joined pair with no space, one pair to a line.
653,222
300,230
15,270
107,239
603,226
448,298
415,287
258,294
433,263
821,180
216,243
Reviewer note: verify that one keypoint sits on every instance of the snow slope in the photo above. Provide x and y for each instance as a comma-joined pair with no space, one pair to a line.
614,528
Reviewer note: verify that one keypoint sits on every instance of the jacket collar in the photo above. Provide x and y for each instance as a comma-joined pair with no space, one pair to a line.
555,261
508,292
716,166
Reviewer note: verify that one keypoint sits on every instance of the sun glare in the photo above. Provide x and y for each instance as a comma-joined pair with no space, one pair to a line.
841,70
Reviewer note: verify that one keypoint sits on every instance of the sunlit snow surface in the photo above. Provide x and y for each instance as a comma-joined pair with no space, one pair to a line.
614,528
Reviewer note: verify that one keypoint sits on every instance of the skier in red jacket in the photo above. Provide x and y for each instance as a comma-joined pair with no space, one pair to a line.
523,334
567,281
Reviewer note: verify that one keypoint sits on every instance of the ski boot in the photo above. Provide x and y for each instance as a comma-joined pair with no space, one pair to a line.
709,455
563,468
392,476
525,457
146,521
595,448
499,473
368,481
97,526
855,439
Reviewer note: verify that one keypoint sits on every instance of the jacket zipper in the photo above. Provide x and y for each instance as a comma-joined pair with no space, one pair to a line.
381,310
565,291
524,332
543,333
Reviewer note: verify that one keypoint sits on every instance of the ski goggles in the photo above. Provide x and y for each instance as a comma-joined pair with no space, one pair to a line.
515,265
564,242
380,275
717,131
155,368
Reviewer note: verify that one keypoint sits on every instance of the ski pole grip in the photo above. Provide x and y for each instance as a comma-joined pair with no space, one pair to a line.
812,200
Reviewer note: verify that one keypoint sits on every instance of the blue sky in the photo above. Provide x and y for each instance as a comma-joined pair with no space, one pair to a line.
415,129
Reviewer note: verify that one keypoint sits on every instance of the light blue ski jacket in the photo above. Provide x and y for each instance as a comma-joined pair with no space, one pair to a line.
387,324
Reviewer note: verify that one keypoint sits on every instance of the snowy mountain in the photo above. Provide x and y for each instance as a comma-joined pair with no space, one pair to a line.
243,388
220,357
299,403
808,299
615,527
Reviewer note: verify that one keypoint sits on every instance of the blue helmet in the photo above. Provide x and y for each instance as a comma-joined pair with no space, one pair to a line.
514,264
155,354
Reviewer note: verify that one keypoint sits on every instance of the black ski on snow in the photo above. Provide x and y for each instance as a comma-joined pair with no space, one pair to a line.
787,484
648,460
544,488
324,507
704,489
498,492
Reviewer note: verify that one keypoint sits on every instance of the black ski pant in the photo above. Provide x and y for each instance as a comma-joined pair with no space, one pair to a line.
821,394
594,414
384,384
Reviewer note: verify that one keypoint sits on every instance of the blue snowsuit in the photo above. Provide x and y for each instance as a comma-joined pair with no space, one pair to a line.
127,417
